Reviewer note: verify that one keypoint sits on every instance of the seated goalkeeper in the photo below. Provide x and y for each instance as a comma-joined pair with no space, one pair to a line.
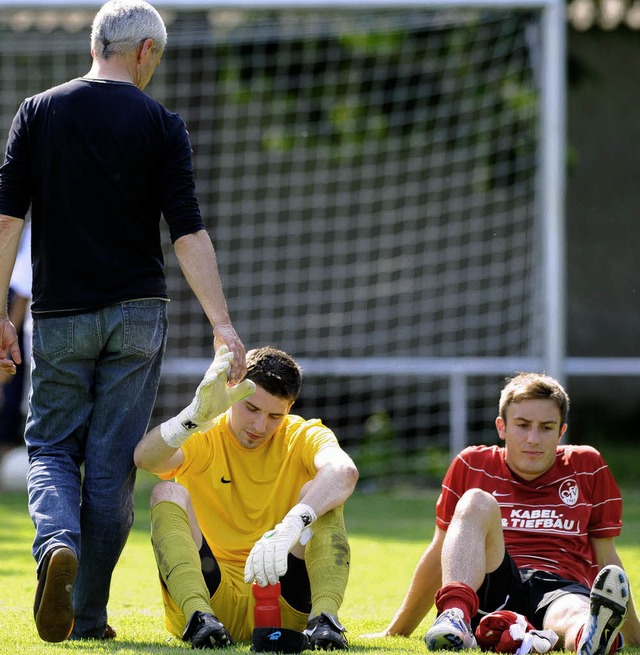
259,495
523,550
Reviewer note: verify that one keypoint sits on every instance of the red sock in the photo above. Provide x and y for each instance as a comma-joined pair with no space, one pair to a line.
460,595
615,647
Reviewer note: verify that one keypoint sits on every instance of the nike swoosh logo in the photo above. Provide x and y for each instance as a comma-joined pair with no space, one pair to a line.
496,493
225,481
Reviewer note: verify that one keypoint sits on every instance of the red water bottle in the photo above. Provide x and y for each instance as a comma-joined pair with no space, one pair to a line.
266,613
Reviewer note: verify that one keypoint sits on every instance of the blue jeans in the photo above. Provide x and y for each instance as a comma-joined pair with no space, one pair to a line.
94,383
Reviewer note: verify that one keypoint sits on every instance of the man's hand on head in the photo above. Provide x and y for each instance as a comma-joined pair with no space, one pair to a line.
226,336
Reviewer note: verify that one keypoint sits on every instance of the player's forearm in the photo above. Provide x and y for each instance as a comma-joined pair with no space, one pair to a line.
332,486
153,454
414,608
405,621
418,600
199,265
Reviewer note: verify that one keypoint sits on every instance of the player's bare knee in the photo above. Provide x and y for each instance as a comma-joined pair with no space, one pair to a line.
169,491
476,502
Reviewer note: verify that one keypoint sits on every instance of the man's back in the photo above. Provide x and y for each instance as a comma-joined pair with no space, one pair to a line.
99,161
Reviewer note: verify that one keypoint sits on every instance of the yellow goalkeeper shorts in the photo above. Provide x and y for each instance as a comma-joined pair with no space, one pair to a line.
233,604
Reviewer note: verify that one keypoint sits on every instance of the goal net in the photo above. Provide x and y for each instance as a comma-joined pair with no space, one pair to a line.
370,177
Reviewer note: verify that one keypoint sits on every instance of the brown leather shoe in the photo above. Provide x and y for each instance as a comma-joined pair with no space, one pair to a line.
109,633
53,606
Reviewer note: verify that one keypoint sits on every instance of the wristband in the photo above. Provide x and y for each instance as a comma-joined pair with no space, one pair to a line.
307,516
175,432
304,513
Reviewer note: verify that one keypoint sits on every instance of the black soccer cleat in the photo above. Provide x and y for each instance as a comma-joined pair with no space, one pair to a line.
609,601
206,631
325,632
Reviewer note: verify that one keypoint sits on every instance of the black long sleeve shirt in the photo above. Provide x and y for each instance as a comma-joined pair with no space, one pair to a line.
98,163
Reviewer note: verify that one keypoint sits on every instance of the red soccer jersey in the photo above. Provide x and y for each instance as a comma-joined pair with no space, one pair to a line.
547,522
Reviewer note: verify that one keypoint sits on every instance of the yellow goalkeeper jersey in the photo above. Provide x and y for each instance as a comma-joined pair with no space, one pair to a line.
240,493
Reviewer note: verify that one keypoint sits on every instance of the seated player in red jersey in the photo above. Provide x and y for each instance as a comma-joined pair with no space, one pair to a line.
523,552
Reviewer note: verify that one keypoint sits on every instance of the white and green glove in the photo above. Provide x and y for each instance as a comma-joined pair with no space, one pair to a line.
213,397
267,561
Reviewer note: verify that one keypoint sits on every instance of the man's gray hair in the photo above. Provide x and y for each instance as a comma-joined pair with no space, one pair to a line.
121,25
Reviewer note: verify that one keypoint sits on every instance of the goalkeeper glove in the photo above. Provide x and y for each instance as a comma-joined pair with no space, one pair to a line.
213,397
267,560
509,632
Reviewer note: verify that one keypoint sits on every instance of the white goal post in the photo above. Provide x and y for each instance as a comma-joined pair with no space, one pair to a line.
384,182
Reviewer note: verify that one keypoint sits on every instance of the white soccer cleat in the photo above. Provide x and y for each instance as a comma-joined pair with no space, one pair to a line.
609,600
450,632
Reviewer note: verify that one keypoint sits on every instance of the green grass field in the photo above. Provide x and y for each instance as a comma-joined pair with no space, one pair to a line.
388,533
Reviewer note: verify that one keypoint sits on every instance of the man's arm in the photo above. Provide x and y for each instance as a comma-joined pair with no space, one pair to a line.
197,259
10,231
426,580
334,481
153,454
606,553
18,310
159,450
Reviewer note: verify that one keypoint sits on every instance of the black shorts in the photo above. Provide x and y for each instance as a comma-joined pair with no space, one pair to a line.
526,591
294,584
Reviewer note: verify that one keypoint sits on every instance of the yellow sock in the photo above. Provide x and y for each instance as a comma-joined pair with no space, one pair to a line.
327,557
178,559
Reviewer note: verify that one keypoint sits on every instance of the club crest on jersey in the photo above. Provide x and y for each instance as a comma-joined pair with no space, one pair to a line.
569,492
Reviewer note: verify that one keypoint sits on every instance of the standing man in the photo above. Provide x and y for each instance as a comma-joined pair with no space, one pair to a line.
259,494
524,541
98,161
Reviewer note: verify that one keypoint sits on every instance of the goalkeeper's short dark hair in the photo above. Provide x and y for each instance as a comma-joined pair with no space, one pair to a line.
275,371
